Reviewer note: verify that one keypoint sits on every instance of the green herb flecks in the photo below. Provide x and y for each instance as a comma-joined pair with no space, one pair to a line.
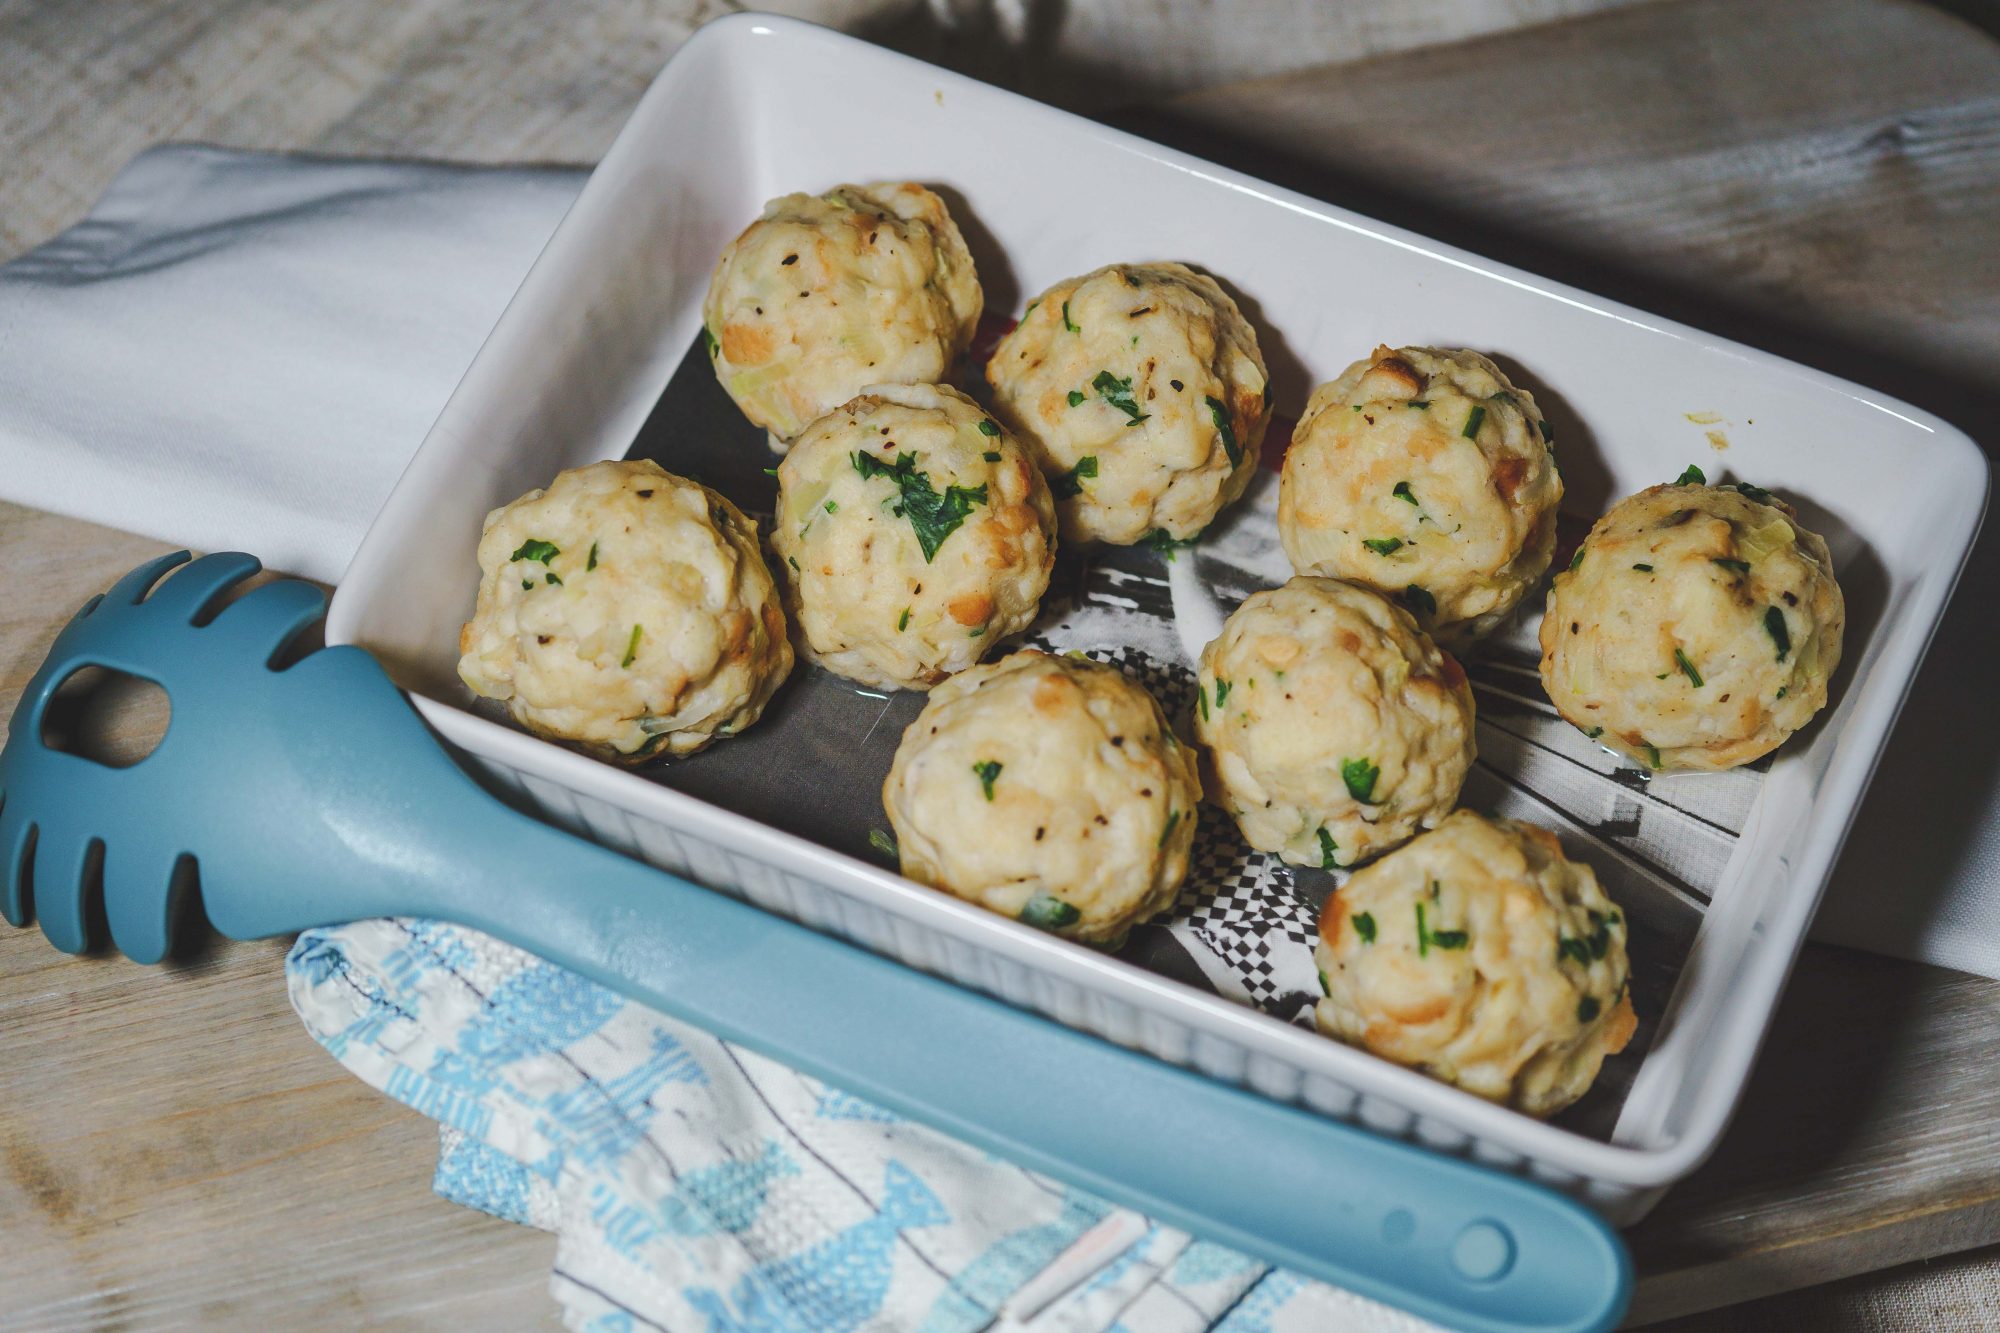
1594,732
1045,911
883,842
1576,560
631,647
1364,926
1781,634
1220,415
1576,950
1749,492
1548,432
1473,421
990,456
1421,404
714,346
1159,540
1587,1009
527,583
986,427
1419,599
1361,777
1403,492
591,563
792,560
1423,934
1118,393
1383,545
536,549
770,472
1221,693
933,517
1329,851
832,507
1451,939
903,621
1694,476
1201,696
1325,987
1066,322
1173,818
1068,485
1076,397
1652,755
1643,569
1687,668
1733,566
553,579
988,771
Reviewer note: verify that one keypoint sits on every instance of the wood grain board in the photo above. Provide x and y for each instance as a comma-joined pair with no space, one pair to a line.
1820,179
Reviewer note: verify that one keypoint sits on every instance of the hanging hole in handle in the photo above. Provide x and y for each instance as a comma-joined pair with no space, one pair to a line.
107,716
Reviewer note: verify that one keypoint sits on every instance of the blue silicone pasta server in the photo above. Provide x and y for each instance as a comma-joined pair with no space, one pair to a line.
313,794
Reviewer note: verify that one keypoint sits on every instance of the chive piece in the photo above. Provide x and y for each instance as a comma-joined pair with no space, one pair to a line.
1473,421
1548,432
1328,850
1067,485
1221,693
1031,307
1364,926
1076,397
1594,732
552,578
591,563
1403,492
1687,668
1781,690
1576,560
1421,404
1573,949
1781,634
536,549
1451,939
1360,777
1587,1009
882,842
1066,324
631,648
1383,545
933,517
1359,406
1325,988
714,347
832,507
977,632
1201,693
986,427
1600,935
1423,935
1643,569
1419,599
990,456
903,621
770,472
1694,476
527,583
1227,431
792,560
988,771
1749,492
1173,818
1118,393
1045,911
1738,566
1652,757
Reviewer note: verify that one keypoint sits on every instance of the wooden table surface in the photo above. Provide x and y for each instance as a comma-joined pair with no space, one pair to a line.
1822,179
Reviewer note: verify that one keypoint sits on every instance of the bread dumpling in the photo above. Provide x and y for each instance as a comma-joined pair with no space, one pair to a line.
827,294
1484,957
1697,627
1425,474
915,535
1048,789
1142,394
626,610
1336,728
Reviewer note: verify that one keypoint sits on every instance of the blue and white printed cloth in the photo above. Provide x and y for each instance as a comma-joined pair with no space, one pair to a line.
697,1185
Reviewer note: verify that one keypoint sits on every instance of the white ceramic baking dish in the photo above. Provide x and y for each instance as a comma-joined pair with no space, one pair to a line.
753,107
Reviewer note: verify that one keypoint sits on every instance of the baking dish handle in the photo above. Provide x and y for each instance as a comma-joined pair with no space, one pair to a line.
1457,1243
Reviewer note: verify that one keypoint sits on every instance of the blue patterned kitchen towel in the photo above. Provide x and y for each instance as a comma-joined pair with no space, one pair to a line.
697,1185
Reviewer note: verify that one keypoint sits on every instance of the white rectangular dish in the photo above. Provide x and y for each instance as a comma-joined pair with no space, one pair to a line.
582,356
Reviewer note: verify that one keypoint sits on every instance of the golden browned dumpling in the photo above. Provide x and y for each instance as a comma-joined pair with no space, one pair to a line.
827,294
1484,957
1050,789
916,534
1141,391
1696,628
1337,729
1423,473
627,610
